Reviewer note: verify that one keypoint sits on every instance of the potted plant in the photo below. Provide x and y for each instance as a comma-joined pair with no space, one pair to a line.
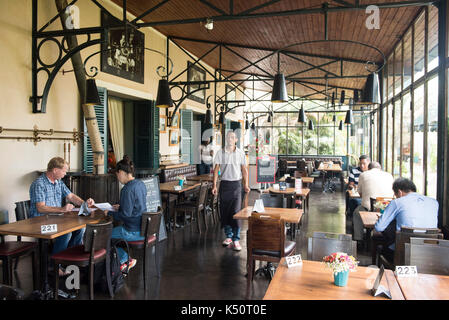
340,263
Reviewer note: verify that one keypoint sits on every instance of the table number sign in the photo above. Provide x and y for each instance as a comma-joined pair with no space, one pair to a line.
49,228
406,271
293,261
379,289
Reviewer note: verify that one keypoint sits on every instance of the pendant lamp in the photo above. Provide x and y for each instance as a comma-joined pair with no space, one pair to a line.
342,97
246,124
269,118
334,118
253,126
349,119
163,99
371,92
207,118
311,126
92,97
301,115
279,93
340,126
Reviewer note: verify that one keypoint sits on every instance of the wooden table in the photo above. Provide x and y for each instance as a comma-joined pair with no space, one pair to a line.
66,223
290,215
305,180
334,167
202,177
303,194
312,281
425,287
369,218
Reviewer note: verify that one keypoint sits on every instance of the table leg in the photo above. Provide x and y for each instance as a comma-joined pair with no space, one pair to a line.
45,293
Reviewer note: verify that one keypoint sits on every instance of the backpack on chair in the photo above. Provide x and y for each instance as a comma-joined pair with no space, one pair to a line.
117,276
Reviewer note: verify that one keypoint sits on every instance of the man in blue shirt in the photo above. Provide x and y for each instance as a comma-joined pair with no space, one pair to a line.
410,209
46,195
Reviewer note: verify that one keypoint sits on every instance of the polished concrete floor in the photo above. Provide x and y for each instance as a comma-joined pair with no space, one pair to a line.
197,267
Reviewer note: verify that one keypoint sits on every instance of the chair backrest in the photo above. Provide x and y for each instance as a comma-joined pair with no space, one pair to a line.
151,223
10,293
300,173
301,165
202,193
272,200
283,164
322,244
403,236
266,232
23,210
98,236
4,217
428,255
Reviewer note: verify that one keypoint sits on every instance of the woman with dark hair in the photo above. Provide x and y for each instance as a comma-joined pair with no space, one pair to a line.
132,204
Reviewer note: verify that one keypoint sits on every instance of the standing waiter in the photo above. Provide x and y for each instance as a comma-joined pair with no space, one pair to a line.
231,161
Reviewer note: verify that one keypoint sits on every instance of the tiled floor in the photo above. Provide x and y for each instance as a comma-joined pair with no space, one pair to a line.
195,266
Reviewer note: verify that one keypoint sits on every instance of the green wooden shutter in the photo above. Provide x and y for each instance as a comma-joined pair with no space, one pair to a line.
146,135
101,112
186,136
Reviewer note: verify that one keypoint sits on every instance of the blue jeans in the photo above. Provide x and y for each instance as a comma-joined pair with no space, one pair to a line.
68,240
232,233
121,233
354,203
203,168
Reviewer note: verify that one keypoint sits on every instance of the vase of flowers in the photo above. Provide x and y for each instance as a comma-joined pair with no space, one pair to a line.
181,179
381,205
340,263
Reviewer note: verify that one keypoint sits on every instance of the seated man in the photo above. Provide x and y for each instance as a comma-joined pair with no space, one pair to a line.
354,174
410,209
373,183
46,195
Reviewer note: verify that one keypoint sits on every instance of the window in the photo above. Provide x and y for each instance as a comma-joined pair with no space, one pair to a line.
397,138
310,136
390,138
390,77
418,62
341,136
432,137
398,69
384,138
407,59
418,139
433,38
406,136
374,141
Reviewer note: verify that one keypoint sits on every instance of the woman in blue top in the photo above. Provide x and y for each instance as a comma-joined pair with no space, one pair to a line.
129,211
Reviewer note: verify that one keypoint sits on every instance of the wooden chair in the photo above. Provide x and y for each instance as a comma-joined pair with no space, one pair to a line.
95,249
402,237
10,293
266,242
428,255
322,244
212,201
194,207
13,250
151,222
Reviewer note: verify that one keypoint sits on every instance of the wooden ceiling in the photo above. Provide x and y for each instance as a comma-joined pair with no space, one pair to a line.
252,39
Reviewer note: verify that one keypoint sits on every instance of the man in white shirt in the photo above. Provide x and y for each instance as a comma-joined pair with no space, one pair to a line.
231,162
373,183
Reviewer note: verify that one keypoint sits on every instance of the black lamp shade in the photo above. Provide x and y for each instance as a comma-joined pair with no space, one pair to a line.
334,118
311,126
349,119
163,99
340,126
221,118
92,97
246,124
342,97
371,93
333,99
269,118
279,93
253,126
207,120
301,116
356,96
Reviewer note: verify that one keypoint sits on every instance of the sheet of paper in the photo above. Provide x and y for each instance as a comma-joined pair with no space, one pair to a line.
104,206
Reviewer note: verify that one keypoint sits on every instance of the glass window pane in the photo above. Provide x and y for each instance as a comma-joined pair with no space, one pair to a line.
310,136
390,77
406,136
432,137
295,140
418,138
418,62
397,138
374,136
384,138
340,136
280,119
433,38
390,138
407,59
280,141
398,69
384,85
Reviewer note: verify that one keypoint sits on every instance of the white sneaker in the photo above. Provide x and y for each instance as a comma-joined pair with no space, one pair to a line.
227,242
236,246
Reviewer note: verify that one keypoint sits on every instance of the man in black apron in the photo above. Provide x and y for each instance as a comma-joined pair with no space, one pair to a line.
232,163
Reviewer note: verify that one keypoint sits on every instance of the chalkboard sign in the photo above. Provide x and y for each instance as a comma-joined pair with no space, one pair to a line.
266,169
154,201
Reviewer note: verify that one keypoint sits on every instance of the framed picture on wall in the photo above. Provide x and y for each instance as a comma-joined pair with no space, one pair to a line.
173,139
122,60
162,124
230,96
175,121
195,73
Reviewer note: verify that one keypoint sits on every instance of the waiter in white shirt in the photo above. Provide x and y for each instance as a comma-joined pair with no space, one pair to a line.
232,163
